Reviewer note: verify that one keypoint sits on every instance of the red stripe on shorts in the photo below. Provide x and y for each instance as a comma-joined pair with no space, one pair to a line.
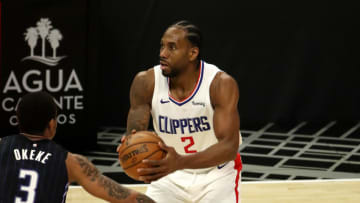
237,167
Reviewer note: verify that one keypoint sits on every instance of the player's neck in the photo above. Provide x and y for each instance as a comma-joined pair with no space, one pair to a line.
182,85
187,80
33,137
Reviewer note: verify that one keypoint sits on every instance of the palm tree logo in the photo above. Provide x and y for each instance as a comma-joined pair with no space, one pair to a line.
31,36
54,38
44,30
43,27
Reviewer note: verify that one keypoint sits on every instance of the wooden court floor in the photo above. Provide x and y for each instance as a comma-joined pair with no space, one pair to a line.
315,191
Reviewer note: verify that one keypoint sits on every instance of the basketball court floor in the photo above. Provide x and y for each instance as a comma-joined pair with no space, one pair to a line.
309,191
312,162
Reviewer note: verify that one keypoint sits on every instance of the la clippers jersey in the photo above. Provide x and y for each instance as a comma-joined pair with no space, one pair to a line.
32,171
186,125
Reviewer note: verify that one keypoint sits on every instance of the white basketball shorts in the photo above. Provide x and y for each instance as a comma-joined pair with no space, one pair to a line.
219,185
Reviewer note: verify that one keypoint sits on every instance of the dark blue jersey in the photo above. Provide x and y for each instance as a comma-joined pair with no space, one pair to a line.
32,171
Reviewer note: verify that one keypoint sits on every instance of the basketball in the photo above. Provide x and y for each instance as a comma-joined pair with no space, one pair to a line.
135,148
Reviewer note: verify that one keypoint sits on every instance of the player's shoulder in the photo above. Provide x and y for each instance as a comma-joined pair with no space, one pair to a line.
223,86
142,86
146,73
223,80
54,147
210,66
145,77
4,138
9,138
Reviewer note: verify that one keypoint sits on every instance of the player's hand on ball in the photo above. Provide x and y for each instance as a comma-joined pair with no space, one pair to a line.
133,131
160,168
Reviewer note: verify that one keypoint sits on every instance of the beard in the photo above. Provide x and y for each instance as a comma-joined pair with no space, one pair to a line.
172,73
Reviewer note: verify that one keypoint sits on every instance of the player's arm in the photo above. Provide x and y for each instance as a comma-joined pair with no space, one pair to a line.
82,171
141,92
224,97
224,94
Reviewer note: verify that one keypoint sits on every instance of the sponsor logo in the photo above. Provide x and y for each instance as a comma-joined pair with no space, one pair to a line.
131,155
59,80
164,101
221,166
45,33
198,103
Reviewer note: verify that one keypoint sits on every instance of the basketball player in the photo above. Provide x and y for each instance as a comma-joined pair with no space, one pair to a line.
35,169
194,110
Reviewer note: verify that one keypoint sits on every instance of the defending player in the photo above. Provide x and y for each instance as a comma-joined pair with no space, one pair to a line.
194,110
33,168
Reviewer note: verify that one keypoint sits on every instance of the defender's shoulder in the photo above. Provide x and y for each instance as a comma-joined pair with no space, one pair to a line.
58,147
6,138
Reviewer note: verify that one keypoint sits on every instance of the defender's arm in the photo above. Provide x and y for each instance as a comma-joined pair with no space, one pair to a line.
87,175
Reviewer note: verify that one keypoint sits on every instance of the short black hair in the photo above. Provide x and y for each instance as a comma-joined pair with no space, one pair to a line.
35,111
193,33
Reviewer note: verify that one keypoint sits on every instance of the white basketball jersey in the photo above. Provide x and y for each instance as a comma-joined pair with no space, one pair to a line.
186,125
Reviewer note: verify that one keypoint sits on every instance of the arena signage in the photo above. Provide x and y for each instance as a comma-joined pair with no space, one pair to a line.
45,50
44,73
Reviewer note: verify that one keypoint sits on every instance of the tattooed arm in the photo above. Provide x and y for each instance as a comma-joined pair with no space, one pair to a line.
83,172
141,92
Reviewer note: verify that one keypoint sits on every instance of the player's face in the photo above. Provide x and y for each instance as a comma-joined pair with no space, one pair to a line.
174,52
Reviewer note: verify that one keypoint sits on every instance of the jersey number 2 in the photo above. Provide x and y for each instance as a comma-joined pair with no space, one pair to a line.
186,148
30,189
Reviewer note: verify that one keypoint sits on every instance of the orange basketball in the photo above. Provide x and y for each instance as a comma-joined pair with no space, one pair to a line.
135,148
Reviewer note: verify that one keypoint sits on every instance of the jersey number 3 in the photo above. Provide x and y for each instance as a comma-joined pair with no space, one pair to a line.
186,148
29,189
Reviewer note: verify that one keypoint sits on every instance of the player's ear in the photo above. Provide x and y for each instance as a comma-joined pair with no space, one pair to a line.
52,123
194,52
52,126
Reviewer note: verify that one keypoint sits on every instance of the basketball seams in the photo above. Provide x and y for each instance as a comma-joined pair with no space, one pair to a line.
147,142
143,159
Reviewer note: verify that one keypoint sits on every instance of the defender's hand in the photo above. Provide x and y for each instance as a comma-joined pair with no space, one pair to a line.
123,139
160,168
